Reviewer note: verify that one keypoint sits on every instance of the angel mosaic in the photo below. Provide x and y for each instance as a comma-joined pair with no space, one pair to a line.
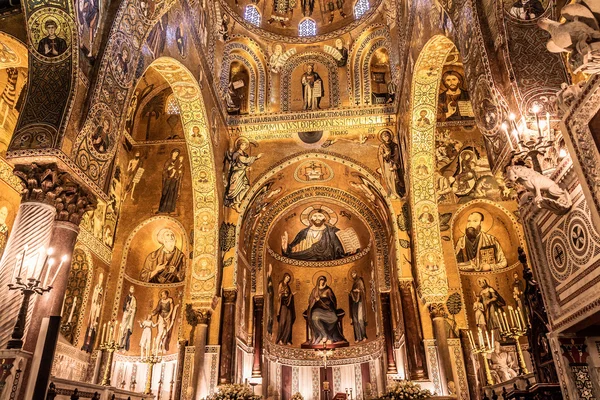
240,162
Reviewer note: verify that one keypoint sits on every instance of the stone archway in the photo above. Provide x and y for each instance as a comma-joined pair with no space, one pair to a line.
429,262
203,278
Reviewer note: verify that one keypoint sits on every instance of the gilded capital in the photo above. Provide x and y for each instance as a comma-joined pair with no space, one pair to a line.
195,316
229,295
45,183
437,310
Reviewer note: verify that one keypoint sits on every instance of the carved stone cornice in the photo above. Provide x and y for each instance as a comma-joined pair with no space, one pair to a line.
229,296
437,310
197,316
45,183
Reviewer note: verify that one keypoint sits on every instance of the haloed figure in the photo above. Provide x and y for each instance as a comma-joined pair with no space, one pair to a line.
129,309
287,313
322,315
358,310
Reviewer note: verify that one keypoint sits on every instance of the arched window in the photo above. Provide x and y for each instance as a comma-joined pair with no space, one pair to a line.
307,27
171,106
252,15
361,7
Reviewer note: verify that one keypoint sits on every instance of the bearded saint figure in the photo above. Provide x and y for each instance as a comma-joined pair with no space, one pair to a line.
165,264
358,307
477,250
318,242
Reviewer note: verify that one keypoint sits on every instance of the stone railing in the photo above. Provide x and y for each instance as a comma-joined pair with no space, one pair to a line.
65,389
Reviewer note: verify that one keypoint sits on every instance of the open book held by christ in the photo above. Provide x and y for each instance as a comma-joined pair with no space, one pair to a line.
349,240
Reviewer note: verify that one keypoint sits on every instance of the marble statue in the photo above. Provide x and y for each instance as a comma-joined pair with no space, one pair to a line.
578,34
548,194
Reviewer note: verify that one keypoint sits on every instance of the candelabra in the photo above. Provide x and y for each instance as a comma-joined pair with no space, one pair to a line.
485,349
349,393
324,353
529,145
32,284
151,361
513,328
109,344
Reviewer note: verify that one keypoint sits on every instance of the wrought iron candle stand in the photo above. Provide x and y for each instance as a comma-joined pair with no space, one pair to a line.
513,328
29,286
530,146
151,361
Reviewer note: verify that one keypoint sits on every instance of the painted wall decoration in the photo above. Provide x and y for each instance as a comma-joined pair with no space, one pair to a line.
323,315
525,10
313,89
478,250
313,171
166,264
454,102
76,296
484,238
172,174
462,168
128,318
286,314
339,52
89,13
321,240
278,57
50,35
239,160
92,330
390,167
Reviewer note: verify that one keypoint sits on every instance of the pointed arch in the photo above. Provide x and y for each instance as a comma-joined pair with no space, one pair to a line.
369,41
429,264
302,58
242,52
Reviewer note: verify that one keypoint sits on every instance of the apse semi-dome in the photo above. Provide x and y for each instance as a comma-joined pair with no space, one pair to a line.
300,20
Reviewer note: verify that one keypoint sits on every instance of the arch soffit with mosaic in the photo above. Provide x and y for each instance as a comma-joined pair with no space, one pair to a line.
125,255
88,285
430,268
255,63
302,58
111,93
325,156
360,64
366,69
17,50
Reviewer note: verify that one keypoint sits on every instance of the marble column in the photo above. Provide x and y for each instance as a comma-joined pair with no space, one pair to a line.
199,383
71,202
386,312
437,311
575,351
227,336
259,302
471,366
182,344
415,350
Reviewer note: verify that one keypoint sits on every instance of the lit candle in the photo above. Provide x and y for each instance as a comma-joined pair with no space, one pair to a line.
17,266
505,129
62,261
519,140
510,315
493,341
470,335
487,337
103,336
48,268
72,310
116,330
521,316
505,321
480,338
548,125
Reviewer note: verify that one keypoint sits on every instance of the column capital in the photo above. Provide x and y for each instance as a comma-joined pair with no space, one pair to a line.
46,183
229,295
437,310
197,316
259,301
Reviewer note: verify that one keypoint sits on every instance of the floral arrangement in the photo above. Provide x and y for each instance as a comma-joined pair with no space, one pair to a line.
234,392
406,390
297,396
